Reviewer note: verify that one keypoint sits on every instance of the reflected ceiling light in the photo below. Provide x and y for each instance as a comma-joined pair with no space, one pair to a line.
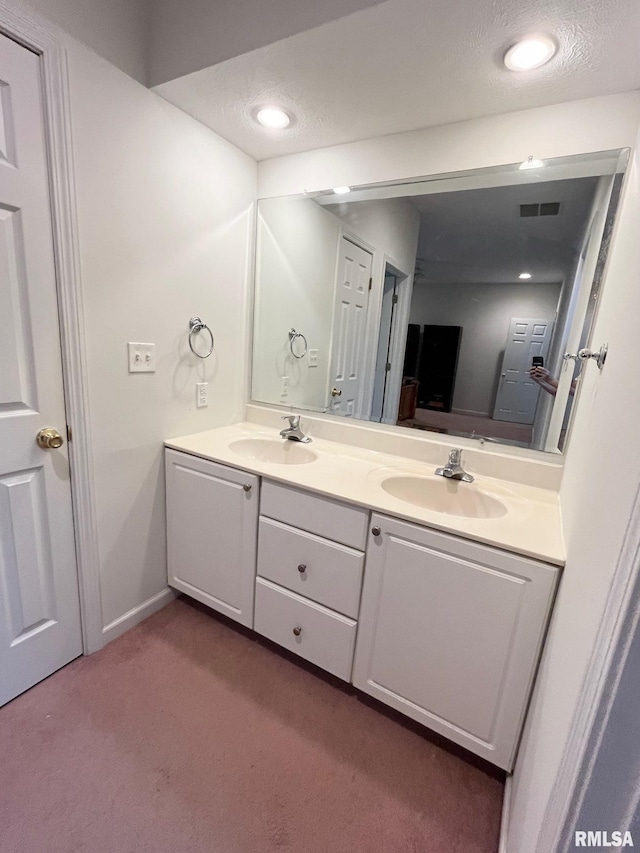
273,117
524,275
531,52
341,190
532,163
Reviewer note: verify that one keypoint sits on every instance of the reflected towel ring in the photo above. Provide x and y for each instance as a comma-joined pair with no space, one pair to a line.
293,335
196,325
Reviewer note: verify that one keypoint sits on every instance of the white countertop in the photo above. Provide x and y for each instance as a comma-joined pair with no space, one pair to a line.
531,525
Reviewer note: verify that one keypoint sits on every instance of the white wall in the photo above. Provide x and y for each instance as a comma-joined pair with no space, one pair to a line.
597,494
165,211
194,35
484,311
296,256
296,259
596,124
118,30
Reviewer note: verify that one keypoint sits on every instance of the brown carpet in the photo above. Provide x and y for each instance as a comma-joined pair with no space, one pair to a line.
187,735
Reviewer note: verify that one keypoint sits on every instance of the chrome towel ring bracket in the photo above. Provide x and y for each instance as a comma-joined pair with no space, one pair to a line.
196,325
293,336
599,356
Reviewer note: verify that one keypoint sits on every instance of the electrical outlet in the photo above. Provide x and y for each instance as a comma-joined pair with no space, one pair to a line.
142,358
202,395
285,386
313,358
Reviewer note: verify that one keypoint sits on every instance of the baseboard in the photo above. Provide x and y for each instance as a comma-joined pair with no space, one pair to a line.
506,808
130,619
470,413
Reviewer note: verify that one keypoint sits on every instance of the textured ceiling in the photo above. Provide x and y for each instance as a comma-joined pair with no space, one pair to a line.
479,236
407,64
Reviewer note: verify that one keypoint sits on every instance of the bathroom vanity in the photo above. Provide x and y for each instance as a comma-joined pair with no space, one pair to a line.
432,596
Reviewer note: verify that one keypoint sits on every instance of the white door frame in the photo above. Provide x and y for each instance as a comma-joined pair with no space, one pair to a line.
32,31
399,340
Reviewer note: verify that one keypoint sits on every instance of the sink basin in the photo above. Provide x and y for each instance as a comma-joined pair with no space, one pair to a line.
278,451
451,497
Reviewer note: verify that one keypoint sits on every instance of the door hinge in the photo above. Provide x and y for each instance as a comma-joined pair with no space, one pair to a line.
394,299
387,367
370,283
69,434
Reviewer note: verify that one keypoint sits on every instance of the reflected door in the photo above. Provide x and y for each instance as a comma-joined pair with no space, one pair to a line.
518,394
39,608
349,326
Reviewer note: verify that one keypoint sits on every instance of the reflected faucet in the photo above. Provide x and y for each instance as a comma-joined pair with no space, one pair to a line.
293,431
453,470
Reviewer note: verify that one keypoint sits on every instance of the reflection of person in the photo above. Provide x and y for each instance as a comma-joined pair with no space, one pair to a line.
545,380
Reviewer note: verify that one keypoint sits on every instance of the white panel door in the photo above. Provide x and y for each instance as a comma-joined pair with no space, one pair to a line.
517,395
349,327
39,607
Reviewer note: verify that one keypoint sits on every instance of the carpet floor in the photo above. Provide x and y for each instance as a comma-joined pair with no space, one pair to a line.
187,735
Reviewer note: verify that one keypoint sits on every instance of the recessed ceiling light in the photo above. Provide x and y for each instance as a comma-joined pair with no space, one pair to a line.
531,52
341,190
525,275
532,163
273,117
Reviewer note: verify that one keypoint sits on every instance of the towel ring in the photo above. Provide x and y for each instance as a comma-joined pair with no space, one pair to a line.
293,335
196,325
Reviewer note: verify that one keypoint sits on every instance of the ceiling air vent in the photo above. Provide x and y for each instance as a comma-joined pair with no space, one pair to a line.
547,208
550,208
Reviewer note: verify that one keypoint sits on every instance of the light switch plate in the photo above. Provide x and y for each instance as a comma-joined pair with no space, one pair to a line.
313,358
142,358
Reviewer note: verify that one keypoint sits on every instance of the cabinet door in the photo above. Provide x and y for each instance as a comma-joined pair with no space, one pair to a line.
212,521
450,634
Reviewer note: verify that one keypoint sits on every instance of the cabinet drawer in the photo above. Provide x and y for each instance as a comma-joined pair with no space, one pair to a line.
315,513
332,573
325,638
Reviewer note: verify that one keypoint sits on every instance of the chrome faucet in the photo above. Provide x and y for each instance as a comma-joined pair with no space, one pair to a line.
293,431
453,470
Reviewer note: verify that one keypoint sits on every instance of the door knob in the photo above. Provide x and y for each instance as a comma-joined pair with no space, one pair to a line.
49,439
297,631
335,392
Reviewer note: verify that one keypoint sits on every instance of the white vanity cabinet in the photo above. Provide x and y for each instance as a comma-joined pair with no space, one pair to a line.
445,630
310,564
450,633
212,518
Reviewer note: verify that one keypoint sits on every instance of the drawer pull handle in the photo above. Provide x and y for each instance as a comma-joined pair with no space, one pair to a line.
297,631
247,487
302,568
376,531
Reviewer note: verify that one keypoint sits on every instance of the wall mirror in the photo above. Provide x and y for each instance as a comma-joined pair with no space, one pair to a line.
446,303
